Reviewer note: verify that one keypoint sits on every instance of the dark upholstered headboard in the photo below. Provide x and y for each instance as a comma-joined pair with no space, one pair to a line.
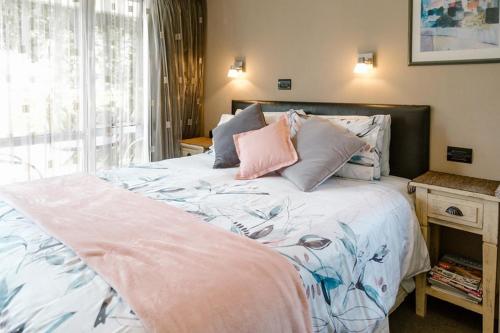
410,129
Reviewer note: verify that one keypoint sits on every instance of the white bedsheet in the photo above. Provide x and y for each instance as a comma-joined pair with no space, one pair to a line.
352,242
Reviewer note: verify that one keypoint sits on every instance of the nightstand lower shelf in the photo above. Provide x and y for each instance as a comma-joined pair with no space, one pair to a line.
477,308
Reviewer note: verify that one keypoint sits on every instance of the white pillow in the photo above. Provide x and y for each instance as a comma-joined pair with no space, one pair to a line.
365,164
224,118
272,117
358,124
294,119
385,167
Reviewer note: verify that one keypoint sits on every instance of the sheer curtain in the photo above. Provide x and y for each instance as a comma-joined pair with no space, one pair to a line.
71,87
120,115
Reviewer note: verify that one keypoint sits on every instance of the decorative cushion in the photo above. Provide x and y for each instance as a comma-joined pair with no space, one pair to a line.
323,149
250,119
265,150
224,118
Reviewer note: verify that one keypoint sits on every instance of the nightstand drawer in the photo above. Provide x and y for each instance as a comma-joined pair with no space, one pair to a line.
464,212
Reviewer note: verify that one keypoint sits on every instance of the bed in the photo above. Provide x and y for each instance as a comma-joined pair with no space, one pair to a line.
353,243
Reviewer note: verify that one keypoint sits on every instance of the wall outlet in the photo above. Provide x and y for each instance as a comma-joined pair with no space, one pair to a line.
461,155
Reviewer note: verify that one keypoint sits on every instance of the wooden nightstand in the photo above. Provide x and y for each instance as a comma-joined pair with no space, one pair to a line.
195,146
467,204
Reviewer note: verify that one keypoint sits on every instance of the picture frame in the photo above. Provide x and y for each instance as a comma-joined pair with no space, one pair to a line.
448,32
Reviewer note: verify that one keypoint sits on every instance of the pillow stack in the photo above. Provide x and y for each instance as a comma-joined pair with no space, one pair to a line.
307,150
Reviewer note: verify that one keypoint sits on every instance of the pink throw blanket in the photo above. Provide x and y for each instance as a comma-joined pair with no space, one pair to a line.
178,273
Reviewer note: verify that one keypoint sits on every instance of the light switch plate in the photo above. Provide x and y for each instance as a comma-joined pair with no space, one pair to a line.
285,84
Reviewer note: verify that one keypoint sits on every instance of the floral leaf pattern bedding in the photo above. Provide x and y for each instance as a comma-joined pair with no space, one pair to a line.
352,242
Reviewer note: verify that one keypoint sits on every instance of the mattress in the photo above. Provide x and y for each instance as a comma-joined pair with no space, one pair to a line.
351,242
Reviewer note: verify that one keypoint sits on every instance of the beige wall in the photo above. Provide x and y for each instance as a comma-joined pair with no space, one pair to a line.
315,43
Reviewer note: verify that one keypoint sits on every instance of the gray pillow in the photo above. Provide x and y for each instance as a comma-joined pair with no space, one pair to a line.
249,119
323,149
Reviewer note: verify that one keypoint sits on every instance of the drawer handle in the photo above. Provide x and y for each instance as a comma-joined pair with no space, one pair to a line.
454,211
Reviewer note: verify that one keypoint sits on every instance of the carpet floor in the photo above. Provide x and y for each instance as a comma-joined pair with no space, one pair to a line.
441,317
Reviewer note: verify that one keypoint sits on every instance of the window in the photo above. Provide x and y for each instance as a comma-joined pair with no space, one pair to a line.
71,87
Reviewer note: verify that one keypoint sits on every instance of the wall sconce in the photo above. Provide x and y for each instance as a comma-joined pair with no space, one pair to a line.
365,63
238,69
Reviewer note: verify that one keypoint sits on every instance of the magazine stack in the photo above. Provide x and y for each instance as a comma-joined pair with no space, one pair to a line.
458,276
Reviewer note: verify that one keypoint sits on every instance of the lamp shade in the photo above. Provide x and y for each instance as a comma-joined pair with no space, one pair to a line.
362,68
234,73
364,63
237,70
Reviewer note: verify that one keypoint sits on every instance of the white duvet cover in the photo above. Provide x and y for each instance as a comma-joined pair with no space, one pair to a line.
352,242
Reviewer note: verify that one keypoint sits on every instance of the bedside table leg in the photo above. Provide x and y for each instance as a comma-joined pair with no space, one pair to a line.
489,285
421,280
420,295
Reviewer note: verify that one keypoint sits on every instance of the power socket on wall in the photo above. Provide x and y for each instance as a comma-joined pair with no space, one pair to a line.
458,154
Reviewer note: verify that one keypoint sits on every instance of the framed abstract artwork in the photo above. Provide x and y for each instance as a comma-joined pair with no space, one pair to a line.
454,32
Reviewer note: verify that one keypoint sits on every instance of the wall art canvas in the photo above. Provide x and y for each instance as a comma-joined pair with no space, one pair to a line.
454,31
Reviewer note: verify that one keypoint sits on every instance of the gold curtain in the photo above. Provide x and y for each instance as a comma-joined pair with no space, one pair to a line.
177,48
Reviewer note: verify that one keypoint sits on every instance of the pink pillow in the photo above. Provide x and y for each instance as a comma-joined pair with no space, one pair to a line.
265,150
